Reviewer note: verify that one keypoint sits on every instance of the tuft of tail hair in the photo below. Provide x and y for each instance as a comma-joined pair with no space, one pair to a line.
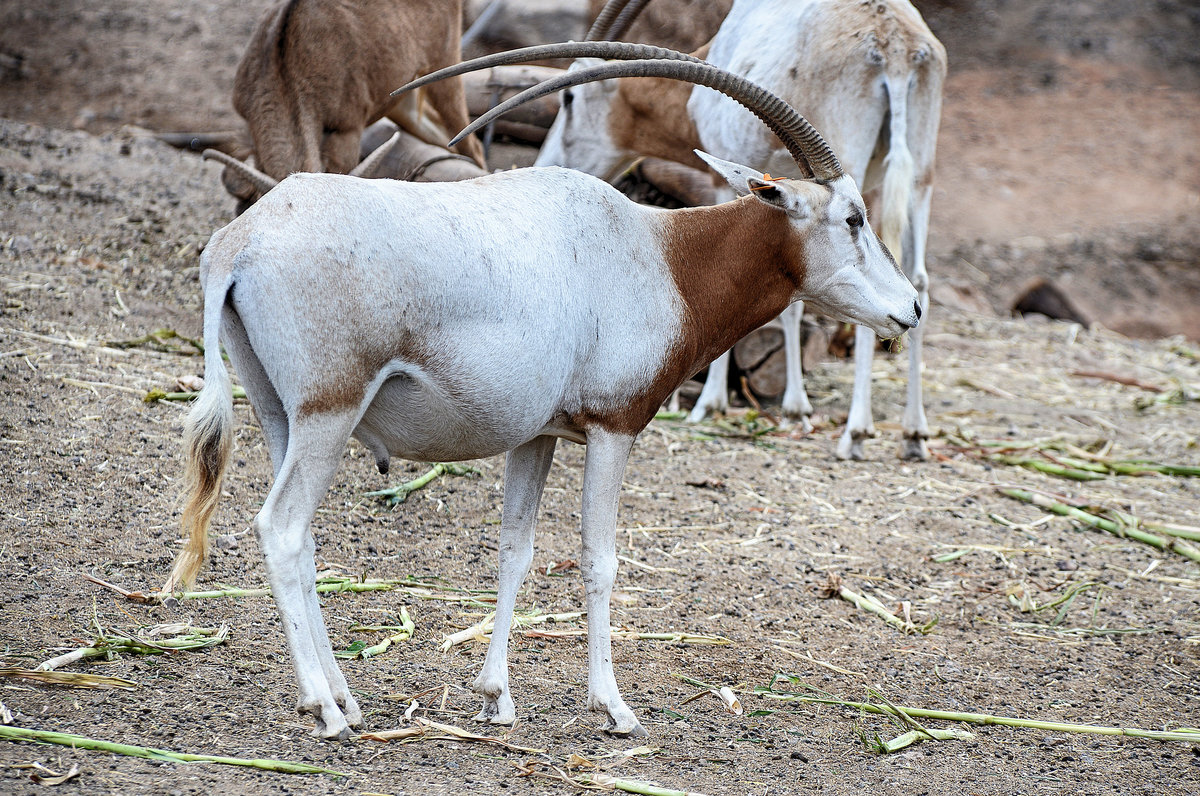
897,194
898,168
207,444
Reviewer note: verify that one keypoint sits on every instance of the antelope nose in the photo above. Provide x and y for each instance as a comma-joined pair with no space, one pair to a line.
917,308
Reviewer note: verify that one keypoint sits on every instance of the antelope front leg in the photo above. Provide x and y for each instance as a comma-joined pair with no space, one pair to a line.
916,427
796,405
607,455
715,395
525,472
860,425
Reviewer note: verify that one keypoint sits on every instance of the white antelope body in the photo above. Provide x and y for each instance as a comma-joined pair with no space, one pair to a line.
868,74
461,320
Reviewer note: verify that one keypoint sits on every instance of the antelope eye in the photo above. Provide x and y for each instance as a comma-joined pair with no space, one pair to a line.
855,220
567,99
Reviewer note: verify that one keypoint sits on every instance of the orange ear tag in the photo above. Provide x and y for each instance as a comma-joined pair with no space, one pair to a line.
767,178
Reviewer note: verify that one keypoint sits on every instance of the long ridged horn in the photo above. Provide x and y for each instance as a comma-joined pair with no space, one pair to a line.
263,182
803,142
625,19
616,50
614,19
371,162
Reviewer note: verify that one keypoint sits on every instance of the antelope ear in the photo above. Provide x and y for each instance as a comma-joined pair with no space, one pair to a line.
738,176
768,192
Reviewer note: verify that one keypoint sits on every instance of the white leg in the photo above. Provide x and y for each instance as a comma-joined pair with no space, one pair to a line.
314,452
859,425
795,399
607,454
715,395
272,417
916,427
525,472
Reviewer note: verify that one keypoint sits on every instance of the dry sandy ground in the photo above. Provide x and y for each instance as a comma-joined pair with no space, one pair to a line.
726,531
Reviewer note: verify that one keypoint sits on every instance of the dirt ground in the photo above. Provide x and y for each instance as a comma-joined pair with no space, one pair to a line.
1067,152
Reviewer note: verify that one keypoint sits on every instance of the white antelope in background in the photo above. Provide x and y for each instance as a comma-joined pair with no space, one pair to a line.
868,73
450,321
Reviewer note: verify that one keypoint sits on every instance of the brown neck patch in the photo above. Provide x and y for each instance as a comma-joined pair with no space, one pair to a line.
736,266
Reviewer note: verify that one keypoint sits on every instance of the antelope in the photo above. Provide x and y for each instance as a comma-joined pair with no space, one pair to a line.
460,320
316,74
869,73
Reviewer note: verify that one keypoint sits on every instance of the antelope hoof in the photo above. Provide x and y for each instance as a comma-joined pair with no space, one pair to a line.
621,720
352,712
628,727
801,421
494,713
331,723
701,411
850,446
498,707
913,448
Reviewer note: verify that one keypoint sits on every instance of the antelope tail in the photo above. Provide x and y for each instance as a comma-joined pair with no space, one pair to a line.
208,440
897,173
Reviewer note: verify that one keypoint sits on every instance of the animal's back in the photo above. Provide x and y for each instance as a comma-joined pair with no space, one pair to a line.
460,285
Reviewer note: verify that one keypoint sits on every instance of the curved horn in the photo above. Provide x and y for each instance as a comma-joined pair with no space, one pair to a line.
616,50
371,162
614,19
604,20
625,19
807,147
263,182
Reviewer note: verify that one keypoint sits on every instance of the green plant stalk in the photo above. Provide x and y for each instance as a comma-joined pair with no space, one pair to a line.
954,555
693,681
1134,467
1187,735
629,785
149,753
1078,459
406,630
1178,531
916,736
68,679
873,606
480,597
161,395
398,494
1116,529
1087,631
1050,468
157,340
115,645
